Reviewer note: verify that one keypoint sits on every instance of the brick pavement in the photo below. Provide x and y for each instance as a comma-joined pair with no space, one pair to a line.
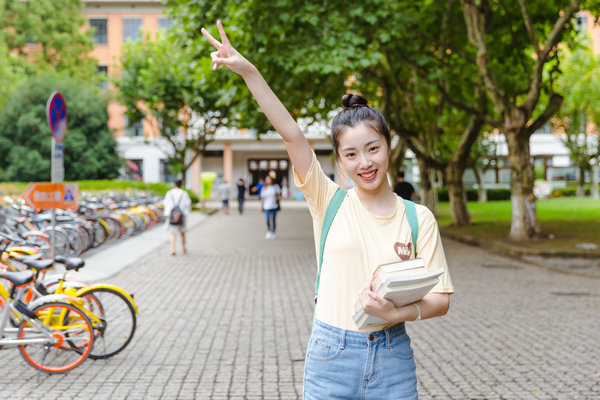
231,320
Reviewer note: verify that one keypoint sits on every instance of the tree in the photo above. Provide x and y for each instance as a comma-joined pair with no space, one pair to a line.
420,76
484,157
517,59
48,34
89,147
161,83
380,48
580,83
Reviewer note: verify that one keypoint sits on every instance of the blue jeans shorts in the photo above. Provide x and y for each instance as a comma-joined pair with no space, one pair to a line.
343,364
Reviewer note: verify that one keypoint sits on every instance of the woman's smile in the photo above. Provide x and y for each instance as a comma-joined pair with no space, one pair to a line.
368,176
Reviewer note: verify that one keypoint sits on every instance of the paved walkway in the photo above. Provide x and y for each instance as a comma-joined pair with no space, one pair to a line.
231,319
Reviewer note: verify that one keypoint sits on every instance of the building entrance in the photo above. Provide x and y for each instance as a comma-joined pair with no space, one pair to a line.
260,168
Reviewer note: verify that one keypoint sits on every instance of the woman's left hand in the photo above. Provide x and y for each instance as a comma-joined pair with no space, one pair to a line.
375,305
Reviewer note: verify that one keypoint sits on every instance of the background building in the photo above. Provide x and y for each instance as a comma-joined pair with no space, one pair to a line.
237,153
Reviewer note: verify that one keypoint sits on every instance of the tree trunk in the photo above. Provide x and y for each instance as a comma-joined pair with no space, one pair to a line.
595,192
427,186
457,195
397,156
581,182
481,192
524,223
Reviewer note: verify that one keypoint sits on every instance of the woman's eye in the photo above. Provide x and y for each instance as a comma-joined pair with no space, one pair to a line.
350,155
374,148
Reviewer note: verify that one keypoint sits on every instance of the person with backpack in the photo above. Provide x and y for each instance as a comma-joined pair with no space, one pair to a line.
365,227
177,208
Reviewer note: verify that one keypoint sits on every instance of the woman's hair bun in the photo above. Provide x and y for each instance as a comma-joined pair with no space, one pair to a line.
353,100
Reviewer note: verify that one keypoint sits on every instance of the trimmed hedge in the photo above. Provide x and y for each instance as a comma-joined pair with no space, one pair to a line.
472,195
570,191
160,189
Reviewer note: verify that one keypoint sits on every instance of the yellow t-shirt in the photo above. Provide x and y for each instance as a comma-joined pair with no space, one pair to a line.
358,242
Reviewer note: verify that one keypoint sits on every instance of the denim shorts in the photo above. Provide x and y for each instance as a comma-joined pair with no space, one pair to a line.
343,364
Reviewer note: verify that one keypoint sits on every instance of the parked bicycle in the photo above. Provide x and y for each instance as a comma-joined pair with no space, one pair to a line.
52,336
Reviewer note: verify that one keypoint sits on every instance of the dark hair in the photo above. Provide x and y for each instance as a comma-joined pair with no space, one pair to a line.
178,182
357,111
400,174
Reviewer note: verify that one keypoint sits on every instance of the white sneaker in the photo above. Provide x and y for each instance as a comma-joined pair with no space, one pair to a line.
272,235
268,235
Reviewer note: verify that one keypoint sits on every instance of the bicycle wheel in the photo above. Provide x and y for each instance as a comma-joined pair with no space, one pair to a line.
113,319
42,242
71,330
100,233
115,228
76,240
61,241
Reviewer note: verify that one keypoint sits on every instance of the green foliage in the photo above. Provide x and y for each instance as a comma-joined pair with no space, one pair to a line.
106,185
49,33
102,185
25,143
162,81
580,83
569,192
472,195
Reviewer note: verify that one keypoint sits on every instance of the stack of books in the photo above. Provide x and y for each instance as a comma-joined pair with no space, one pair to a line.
402,282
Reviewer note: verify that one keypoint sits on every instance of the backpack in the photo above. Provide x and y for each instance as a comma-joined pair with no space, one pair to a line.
332,209
176,214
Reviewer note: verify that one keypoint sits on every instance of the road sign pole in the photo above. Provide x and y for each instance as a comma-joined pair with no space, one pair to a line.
56,114
53,180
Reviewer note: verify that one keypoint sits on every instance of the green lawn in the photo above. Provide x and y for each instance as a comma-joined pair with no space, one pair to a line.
569,220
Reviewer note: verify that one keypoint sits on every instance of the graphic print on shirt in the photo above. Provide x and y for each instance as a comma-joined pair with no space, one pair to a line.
403,250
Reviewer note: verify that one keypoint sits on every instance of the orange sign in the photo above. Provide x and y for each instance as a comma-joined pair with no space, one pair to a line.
51,195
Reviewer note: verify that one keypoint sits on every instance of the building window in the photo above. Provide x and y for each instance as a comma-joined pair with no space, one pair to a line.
134,170
131,29
100,35
103,70
165,23
166,175
581,22
133,130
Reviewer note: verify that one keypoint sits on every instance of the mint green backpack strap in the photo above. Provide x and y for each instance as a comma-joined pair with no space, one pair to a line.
332,209
411,215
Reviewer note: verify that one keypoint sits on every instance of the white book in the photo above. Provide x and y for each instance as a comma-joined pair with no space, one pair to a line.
401,289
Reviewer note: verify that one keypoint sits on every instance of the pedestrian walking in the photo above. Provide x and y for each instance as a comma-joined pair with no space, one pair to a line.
258,188
269,202
241,194
177,202
224,196
402,188
369,229
285,188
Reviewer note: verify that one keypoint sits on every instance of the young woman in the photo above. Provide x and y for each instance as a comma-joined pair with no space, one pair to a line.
369,229
270,193
177,197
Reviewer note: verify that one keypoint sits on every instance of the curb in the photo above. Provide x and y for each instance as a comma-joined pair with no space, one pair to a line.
115,257
519,253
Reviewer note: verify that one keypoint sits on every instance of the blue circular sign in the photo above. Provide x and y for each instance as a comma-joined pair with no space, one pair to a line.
56,113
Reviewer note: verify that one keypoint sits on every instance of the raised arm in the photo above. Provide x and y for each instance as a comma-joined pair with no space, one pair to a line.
296,144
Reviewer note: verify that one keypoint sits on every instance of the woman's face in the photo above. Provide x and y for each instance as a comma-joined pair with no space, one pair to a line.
268,180
364,155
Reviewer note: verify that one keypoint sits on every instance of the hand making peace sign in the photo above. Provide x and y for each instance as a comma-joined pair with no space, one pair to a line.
226,54
297,146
